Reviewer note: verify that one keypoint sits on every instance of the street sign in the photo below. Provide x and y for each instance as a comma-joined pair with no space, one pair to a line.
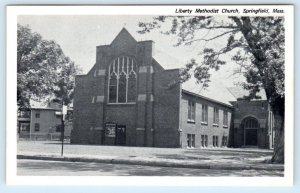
64,109
58,113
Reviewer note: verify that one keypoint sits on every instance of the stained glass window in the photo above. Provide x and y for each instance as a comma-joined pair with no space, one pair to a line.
122,80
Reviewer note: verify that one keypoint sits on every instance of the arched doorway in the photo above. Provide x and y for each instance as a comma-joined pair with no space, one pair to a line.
250,131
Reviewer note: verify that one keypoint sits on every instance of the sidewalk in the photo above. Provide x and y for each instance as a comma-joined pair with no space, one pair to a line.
226,158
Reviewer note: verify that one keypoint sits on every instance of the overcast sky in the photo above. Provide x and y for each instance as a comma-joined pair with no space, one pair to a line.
79,35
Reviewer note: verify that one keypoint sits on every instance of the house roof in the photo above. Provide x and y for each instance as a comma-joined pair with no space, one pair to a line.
42,106
240,93
216,91
46,105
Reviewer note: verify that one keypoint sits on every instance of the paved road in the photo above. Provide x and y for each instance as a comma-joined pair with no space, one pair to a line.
56,168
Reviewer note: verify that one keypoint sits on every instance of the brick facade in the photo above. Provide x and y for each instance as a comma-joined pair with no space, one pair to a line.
147,120
260,111
157,117
198,127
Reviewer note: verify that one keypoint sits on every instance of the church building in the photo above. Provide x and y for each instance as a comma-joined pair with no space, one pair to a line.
130,98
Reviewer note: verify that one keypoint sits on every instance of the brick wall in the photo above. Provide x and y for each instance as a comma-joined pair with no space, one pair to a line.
159,115
91,115
123,115
83,109
166,107
256,109
197,128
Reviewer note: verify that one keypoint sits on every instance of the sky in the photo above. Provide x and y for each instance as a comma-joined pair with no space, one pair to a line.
79,35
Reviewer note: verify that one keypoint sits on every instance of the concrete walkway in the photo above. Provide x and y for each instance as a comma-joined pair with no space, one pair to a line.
155,162
216,158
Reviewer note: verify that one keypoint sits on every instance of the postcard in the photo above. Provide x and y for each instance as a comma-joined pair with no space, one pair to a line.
150,95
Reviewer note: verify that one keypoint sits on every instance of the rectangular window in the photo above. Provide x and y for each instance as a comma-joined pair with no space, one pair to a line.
191,111
216,141
224,141
191,140
225,118
216,117
204,114
36,127
204,140
37,115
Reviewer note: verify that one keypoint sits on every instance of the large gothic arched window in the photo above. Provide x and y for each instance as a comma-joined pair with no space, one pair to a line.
122,80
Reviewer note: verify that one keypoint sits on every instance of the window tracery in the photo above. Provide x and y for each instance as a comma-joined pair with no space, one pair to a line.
122,80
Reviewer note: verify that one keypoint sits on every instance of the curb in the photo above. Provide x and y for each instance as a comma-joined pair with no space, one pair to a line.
158,163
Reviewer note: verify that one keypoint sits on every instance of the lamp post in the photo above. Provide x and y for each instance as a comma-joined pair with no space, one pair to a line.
64,112
62,130
62,133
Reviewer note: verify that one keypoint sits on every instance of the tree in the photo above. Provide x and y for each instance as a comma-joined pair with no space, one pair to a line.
43,71
258,40
64,86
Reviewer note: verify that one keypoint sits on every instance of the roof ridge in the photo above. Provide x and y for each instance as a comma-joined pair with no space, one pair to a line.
227,88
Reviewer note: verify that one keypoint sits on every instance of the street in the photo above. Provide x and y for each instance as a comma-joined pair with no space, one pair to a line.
57,168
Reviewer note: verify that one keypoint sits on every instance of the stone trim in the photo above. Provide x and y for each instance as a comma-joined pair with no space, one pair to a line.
142,97
100,99
151,70
93,99
143,69
151,98
101,72
98,128
140,129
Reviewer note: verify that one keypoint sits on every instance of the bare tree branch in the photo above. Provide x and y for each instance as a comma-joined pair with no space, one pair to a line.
202,39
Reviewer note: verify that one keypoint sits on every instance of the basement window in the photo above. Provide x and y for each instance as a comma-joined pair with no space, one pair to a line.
190,140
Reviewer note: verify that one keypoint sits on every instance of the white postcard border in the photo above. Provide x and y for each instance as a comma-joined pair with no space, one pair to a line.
11,106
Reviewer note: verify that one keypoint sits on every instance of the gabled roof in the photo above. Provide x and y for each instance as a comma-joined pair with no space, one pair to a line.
123,34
